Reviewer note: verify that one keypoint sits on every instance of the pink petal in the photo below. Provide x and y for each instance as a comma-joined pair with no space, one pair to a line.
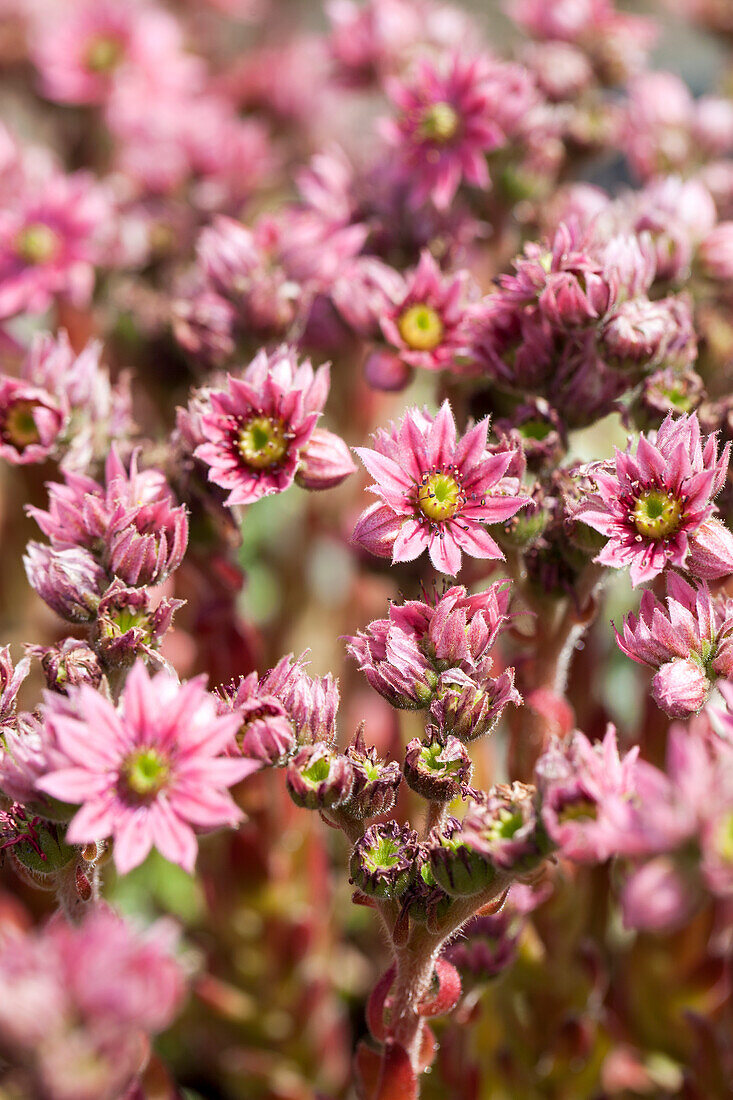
444,553
132,839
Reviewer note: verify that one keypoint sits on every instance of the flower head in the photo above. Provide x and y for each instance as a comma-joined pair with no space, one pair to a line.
49,243
651,504
436,491
444,128
258,427
425,324
147,773
689,643
79,998
131,524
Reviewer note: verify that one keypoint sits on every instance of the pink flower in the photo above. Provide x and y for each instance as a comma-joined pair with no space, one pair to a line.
578,782
258,427
444,129
81,999
80,51
690,643
716,252
436,491
31,422
145,773
132,523
425,323
651,505
49,244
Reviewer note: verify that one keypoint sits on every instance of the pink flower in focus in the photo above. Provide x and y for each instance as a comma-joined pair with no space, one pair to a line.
425,324
147,773
436,491
444,130
132,522
258,427
49,244
651,505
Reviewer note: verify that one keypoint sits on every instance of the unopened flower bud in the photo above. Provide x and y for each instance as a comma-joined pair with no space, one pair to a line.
680,687
386,371
469,710
385,859
325,461
68,664
128,626
426,901
456,866
70,581
711,551
437,769
319,778
375,781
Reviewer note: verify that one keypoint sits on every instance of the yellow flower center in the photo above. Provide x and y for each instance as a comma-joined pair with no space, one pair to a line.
20,425
440,123
657,515
103,54
146,773
420,327
262,442
37,244
439,497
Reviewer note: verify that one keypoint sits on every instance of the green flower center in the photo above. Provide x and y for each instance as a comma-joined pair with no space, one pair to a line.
104,54
382,856
535,429
431,758
440,123
440,497
657,515
146,773
318,771
582,809
679,399
20,426
420,327
262,442
506,825
37,243
126,619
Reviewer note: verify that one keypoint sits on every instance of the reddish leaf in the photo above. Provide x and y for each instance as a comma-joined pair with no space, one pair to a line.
367,1071
398,1080
449,990
377,1003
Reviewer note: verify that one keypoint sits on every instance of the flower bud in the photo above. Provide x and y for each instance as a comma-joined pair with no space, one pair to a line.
680,687
38,846
657,897
375,781
716,253
325,461
469,710
438,769
456,866
506,829
425,900
318,778
385,859
667,391
127,625
711,551
70,581
384,370
68,664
